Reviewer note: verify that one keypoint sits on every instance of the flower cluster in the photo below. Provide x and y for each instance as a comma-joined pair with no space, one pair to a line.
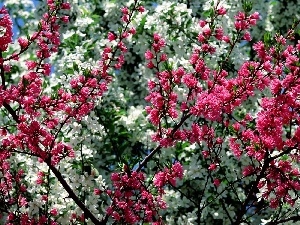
213,96
6,30
132,201
168,176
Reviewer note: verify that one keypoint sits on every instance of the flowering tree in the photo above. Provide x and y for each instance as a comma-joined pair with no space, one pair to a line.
165,113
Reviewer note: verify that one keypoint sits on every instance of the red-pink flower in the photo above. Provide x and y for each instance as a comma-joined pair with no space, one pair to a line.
177,169
221,11
202,23
23,42
65,19
149,55
111,36
65,5
247,36
217,182
124,10
159,179
248,170
213,166
141,9
6,28
54,212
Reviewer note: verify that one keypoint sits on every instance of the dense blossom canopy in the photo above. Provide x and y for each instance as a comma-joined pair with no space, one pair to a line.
141,112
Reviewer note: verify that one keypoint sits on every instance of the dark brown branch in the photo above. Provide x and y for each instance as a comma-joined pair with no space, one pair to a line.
154,151
6,105
72,195
292,218
148,158
243,208
11,112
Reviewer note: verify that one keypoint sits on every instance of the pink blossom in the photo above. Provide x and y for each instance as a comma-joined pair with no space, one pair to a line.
54,212
132,30
189,80
248,170
65,5
226,39
235,147
202,23
205,154
255,15
149,55
206,31
150,65
221,11
124,10
65,19
125,18
219,33
201,38
177,168
7,68
141,9
213,166
6,26
247,36
217,182
274,203
23,42
163,57
30,65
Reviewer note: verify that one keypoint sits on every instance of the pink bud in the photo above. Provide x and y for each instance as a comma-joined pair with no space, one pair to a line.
247,36
65,5
206,31
65,19
226,39
212,167
205,154
202,23
54,212
217,182
132,30
111,36
97,191
124,10
163,57
23,42
141,9
221,11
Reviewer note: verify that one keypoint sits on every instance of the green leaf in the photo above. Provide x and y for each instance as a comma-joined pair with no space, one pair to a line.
267,39
39,26
206,13
284,157
168,66
69,71
247,6
251,125
75,67
273,2
231,130
141,26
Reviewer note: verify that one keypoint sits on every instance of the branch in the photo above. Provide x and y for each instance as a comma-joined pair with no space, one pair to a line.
63,182
147,158
72,195
293,218
11,112
6,105
244,208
